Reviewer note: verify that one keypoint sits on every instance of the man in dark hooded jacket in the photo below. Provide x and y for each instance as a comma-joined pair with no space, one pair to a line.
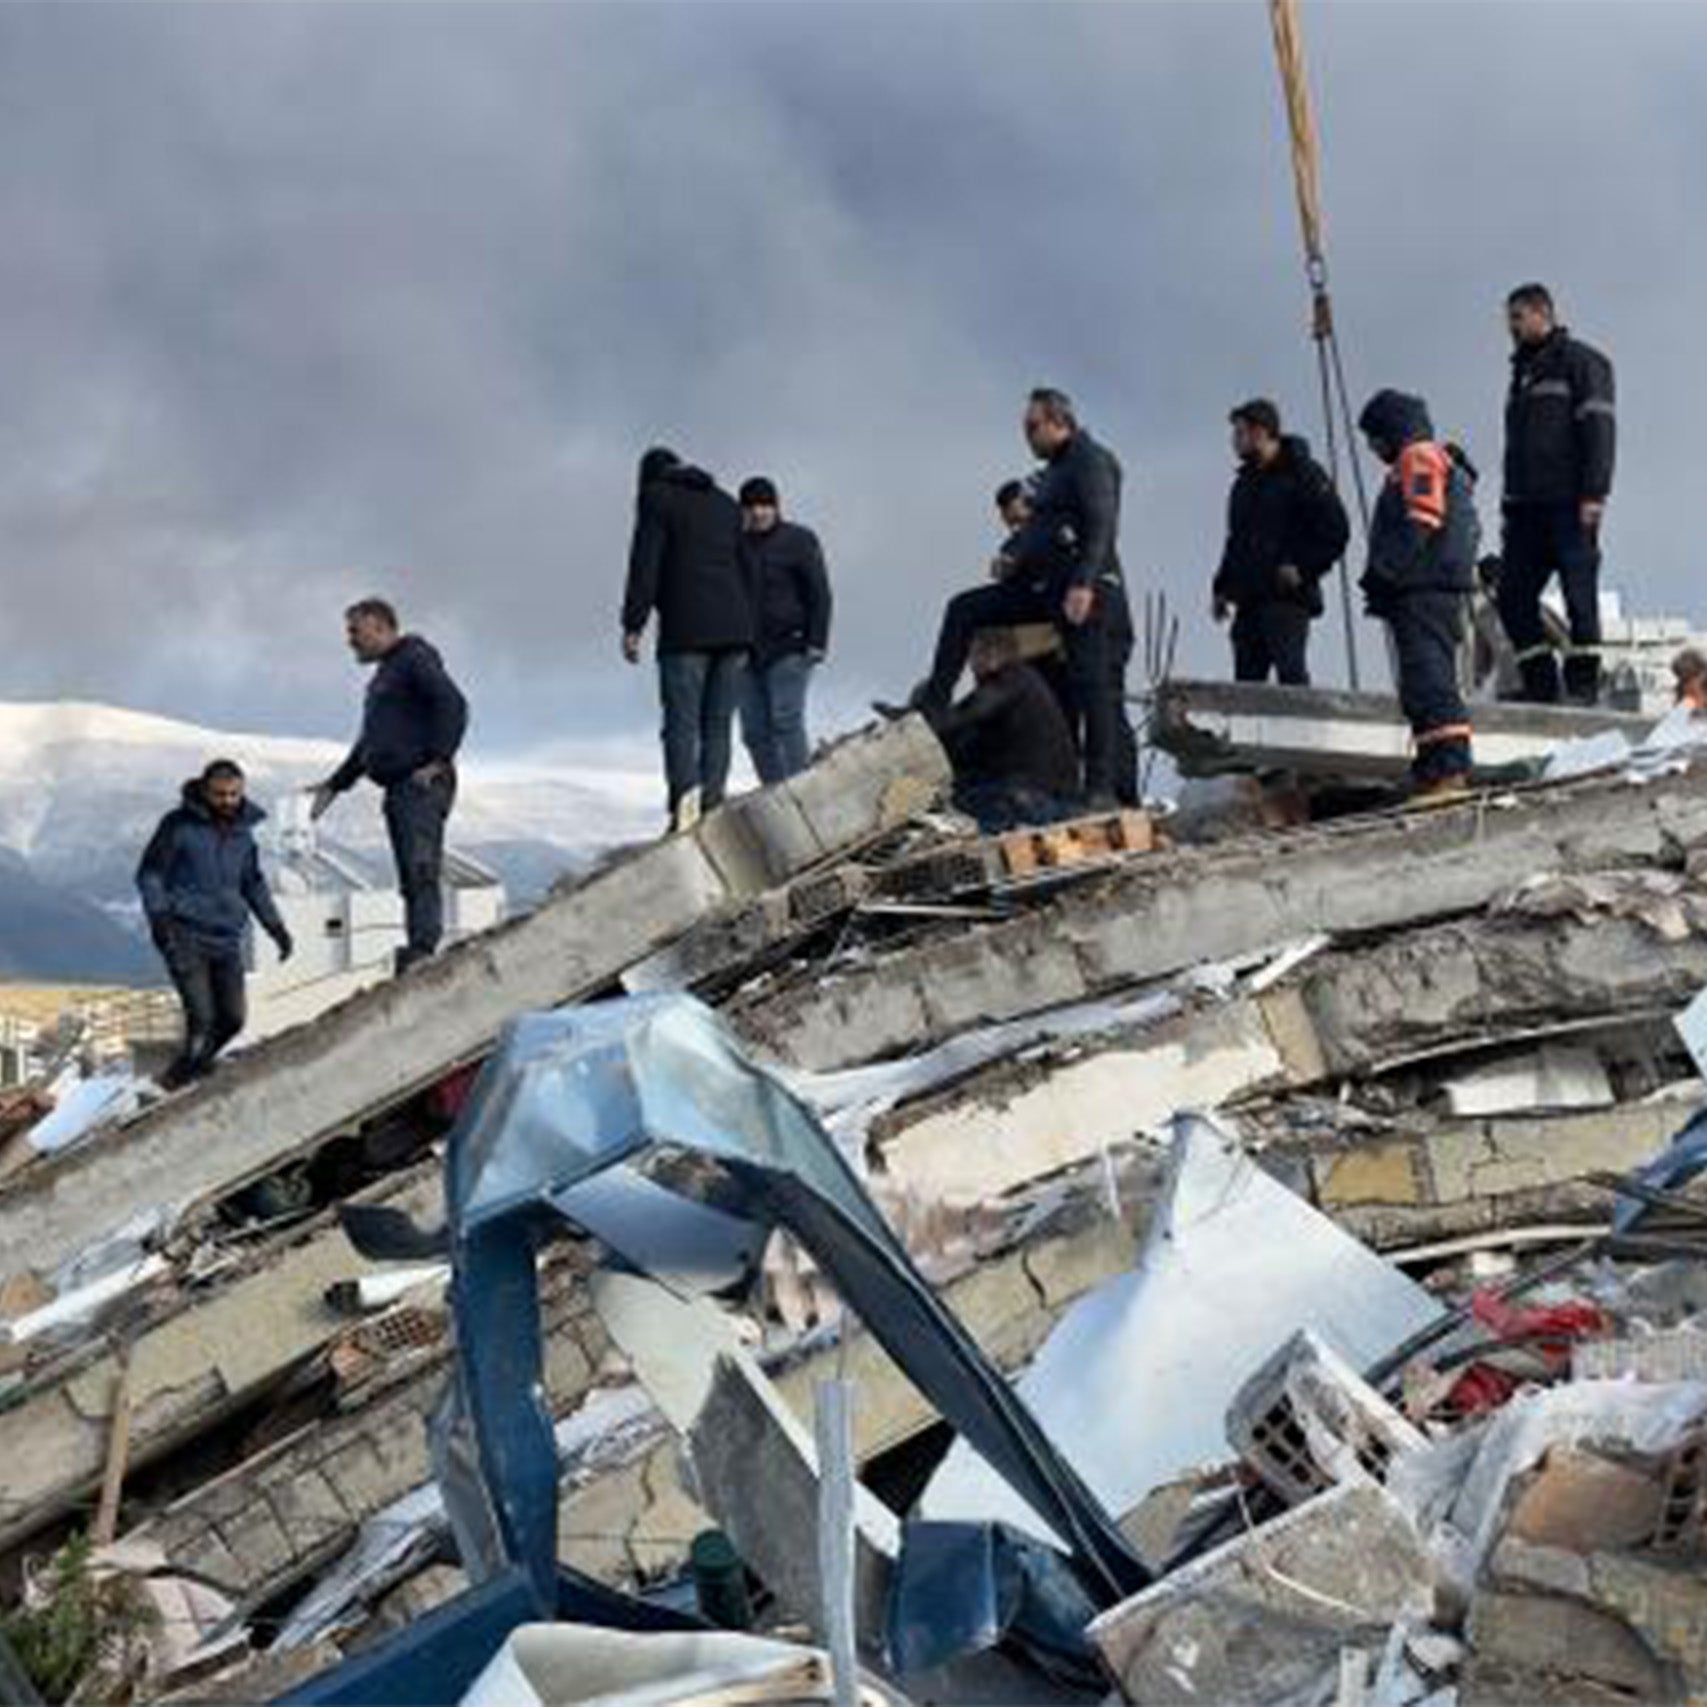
200,878
1422,566
1286,529
685,564
413,720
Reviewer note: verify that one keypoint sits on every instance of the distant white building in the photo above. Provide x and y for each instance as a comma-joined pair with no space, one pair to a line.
346,916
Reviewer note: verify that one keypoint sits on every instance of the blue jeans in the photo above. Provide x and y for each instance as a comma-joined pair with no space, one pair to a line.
773,716
699,691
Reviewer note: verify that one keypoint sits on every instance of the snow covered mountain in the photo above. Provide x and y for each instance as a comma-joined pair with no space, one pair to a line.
82,785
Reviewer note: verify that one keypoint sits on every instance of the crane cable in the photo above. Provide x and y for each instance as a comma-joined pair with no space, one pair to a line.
1306,174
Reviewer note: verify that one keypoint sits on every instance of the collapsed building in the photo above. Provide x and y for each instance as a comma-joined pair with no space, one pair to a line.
1197,1126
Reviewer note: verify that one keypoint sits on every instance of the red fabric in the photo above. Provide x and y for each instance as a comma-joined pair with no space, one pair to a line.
1550,1330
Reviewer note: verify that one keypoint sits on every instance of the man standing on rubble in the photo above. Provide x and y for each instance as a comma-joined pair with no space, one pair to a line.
791,600
413,722
685,563
1286,529
1561,440
200,878
1422,564
1061,565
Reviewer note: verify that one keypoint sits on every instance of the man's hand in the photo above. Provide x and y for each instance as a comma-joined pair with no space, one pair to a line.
284,943
1220,609
1590,511
430,772
164,937
1291,581
1076,608
1001,567
815,655
324,794
631,648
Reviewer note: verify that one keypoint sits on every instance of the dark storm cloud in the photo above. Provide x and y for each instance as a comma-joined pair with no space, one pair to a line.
298,300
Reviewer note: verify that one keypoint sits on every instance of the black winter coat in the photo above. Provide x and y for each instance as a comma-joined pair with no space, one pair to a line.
1286,512
203,876
413,715
790,591
1076,498
685,563
1561,424
1011,729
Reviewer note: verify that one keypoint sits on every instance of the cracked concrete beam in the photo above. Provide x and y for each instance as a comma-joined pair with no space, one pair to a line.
212,1352
298,1089
1161,915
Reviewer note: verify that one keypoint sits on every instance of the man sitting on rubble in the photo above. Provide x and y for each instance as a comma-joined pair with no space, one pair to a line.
1689,679
1061,566
1013,754
1422,559
1286,529
200,879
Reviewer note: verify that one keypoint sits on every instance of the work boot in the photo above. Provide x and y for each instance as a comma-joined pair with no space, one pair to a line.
1582,678
1540,679
404,958
921,700
685,814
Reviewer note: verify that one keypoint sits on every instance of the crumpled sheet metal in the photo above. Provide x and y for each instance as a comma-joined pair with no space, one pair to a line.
656,1087
1134,1382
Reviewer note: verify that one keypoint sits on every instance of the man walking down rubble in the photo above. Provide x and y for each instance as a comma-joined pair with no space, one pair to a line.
200,879
413,722
1062,565
791,600
1561,441
1286,529
1013,754
685,564
1422,561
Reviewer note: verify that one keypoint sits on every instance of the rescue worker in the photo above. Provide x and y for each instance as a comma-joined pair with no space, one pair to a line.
200,878
1422,558
1689,679
1008,740
685,564
791,601
1561,441
1286,529
1061,565
413,720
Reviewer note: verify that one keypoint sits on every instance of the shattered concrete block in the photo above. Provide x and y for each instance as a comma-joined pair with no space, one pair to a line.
1306,1419
1548,1634
1581,1502
1665,1603
1265,1617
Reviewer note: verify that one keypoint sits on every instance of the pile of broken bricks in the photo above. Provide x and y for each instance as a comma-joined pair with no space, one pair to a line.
1445,1036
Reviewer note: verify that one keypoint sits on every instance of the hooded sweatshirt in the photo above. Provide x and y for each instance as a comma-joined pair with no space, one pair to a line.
202,875
686,564
413,715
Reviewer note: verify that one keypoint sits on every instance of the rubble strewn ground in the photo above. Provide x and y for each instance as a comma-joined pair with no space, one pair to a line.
1442,1037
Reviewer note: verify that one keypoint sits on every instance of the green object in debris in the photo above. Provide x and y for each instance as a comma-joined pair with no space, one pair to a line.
720,1581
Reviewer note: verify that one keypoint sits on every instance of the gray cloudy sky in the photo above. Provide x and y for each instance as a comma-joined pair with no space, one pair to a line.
302,300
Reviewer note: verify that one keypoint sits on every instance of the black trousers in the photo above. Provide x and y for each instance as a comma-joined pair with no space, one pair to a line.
415,817
209,979
1271,635
1542,540
1097,654
1428,629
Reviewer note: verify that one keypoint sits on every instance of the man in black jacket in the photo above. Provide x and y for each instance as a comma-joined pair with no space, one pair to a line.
1286,528
1561,442
685,564
200,878
413,720
1061,565
791,600
1013,754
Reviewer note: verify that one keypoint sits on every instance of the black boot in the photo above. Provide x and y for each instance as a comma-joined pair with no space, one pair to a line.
1540,674
1582,678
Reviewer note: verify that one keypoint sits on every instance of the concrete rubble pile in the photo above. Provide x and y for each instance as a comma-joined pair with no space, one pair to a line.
1324,1190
